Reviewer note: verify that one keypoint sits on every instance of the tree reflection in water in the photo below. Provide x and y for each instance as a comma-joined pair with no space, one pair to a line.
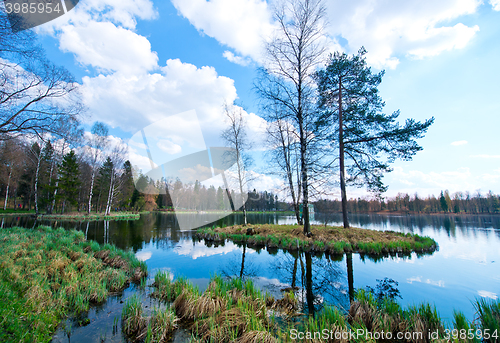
242,268
319,280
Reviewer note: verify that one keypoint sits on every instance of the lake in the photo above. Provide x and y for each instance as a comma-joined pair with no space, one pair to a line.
465,267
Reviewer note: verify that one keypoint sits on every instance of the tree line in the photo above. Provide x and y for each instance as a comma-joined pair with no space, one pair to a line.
54,178
93,176
458,202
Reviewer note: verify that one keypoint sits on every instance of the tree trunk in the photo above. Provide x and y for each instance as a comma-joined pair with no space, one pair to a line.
350,276
305,198
36,181
309,284
240,181
91,191
243,260
7,192
294,273
110,193
55,194
341,159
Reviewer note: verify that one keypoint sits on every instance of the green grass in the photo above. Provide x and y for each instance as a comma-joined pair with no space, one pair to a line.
93,216
10,211
488,312
46,275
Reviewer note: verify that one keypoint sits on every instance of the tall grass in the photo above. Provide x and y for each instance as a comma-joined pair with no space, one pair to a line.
47,274
488,312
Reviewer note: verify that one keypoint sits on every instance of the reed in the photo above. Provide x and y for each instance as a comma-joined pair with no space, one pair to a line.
488,313
161,325
133,323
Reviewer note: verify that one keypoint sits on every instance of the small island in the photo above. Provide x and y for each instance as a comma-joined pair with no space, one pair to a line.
328,239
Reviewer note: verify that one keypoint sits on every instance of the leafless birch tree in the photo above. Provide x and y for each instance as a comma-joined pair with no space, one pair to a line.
235,137
292,57
97,142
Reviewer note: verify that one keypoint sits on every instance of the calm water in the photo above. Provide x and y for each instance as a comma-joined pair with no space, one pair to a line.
465,267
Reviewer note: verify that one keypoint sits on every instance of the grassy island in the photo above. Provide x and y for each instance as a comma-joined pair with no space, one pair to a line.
92,216
333,240
47,274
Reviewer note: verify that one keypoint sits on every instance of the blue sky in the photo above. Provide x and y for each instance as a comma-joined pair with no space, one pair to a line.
140,61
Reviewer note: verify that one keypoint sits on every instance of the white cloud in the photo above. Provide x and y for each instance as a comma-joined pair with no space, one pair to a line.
495,4
487,294
108,47
458,143
236,59
240,24
143,255
133,102
100,34
120,12
169,147
197,250
492,178
388,29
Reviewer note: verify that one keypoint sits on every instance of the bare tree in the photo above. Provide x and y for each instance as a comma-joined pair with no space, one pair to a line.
292,57
117,158
11,156
282,138
236,138
35,95
35,155
97,142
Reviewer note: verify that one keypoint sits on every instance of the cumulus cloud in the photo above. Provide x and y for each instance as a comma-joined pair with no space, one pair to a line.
133,102
387,29
487,294
240,24
100,34
495,4
108,48
458,143
236,59
169,147
392,28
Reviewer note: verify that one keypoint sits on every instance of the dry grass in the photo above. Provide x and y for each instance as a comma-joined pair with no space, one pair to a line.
46,275
288,304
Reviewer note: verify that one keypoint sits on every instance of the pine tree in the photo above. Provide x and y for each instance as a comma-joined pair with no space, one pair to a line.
363,133
69,180
443,203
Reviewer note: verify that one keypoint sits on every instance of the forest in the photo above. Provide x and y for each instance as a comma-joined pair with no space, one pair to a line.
52,178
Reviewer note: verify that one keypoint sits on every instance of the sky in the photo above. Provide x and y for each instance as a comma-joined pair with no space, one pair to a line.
140,62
